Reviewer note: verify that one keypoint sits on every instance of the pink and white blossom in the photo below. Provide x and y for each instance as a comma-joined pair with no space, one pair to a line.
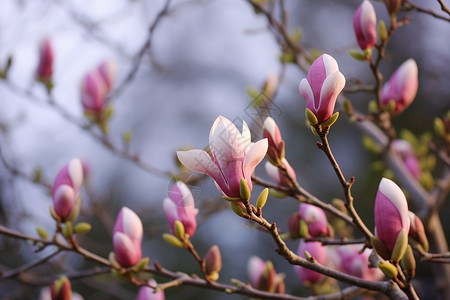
148,293
65,187
264,277
127,238
179,205
317,251
406,153
391,213
322,86
271,132
278,176
315,218
402,86
234,156
364,23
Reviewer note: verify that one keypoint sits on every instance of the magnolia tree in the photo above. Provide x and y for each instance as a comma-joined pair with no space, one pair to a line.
332,249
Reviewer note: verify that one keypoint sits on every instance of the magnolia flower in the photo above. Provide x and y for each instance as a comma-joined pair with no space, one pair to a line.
364,23
213,262
234,157
402,86
322,86
275,151
391,213
315,218
108,70
180,206
264,277
319,252
127,238
93,92
278,176
406,152
44,70
65,188
417,231
148,293
349,260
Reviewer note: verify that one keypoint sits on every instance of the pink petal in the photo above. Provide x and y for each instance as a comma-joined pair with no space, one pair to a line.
331,88
127,254
64,200
255,269
254,156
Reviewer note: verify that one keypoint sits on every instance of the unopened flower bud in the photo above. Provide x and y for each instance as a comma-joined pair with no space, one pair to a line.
93,93
44,70
316,251
405,151
350,260
409,263
127,238
278,176
294,225
393,6
61,289
263,275
148,293
213,262
388,269
364,24
108,70
275,151
417,231
315,218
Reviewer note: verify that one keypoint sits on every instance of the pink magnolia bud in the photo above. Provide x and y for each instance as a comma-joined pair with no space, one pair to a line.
275,152
322,86
44,70
391,213
278,176
319,252
417,231
147,293
402,86
364,23
180,206
127,238
234,155
349,260
213,260
315,218
93,92
263,276
393,6
108,70
65,188
61,289
294,225
406,152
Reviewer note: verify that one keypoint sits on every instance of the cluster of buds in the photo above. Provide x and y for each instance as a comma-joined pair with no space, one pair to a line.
180,210
311,251
264,277
320,90
400,90
44,70
392,222
234,158
405,151
350,260
95,87
309,222
127,238
364,24
65,196
148,293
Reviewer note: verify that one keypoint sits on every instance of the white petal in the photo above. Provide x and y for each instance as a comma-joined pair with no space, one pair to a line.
273,172
394,193
75,170
132,224
254,156
330,64
306,91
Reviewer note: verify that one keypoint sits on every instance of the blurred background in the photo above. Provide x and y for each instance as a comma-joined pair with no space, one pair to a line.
203,57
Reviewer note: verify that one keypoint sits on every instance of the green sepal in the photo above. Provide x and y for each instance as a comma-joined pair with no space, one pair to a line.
331,120
173,240
373,107
68,230
214,276
42,232
382,32
388,269
244,190
75,210
409,262
53,213
238,210
231,199
179,229
127,135
303,229
113,260
82,227
311,117
439,127
141,265
357,55
262,198
309,257
380,248
348,107
400,246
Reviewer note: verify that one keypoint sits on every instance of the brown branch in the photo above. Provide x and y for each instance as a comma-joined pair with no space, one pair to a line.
427,11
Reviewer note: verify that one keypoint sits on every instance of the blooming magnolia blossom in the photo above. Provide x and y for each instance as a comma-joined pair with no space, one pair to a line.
180,206
44,70
65,187
127,238
278,176
391,213
317,251
148,293
234,156
364,23
322,86
402,86
406,152
315,218
271,132
349,260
